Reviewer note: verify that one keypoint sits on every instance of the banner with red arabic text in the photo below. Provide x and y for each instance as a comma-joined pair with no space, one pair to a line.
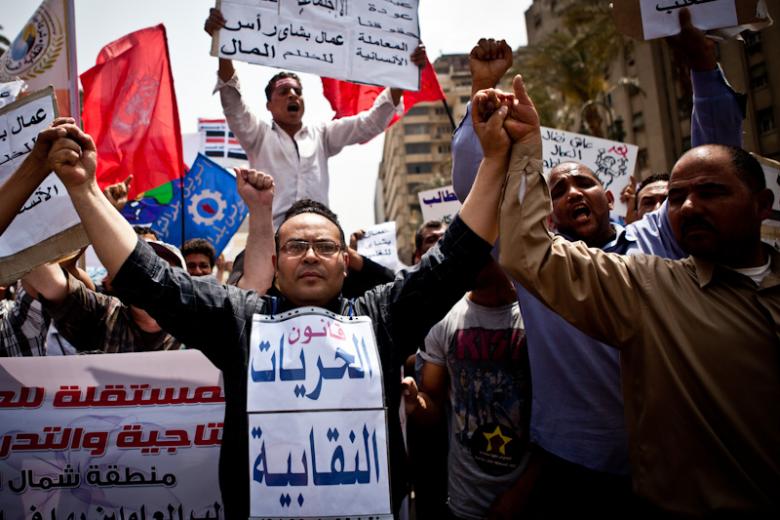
110,436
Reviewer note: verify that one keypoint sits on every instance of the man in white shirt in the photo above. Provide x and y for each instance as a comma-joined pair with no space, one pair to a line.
296,155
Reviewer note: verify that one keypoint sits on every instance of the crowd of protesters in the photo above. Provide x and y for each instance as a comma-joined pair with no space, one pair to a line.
575,367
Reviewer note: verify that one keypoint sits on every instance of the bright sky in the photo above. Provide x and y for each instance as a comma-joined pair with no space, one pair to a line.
451,26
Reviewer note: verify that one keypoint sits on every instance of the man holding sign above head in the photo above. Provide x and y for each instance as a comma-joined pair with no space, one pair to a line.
296,154
322,459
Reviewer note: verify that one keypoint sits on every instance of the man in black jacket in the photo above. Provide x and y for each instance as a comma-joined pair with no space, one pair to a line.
311,263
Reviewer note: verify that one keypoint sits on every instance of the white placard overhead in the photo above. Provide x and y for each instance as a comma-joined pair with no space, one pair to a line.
612,162
317,423
662,17
117,436
354,40
379,244
49,210
439,204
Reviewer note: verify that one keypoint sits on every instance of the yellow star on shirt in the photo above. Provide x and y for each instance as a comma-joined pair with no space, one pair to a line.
499,437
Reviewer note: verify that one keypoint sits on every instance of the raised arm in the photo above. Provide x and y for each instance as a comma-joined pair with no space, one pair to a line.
593,290
74,159
30,174
215,22
718,110
489,60
257,190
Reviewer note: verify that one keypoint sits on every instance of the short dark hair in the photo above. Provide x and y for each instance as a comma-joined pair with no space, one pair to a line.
310,206
747,167
199,246
657,177
418,236
269,89
145,230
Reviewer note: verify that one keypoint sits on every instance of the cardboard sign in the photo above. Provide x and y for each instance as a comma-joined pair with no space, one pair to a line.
612,162
379,244
439,204
110,436
317,423
47,226
649,19
353,40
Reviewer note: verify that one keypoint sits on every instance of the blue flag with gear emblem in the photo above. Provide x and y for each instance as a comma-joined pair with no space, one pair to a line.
212,207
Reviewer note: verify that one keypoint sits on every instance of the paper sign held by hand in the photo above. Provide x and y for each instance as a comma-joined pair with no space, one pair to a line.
650,19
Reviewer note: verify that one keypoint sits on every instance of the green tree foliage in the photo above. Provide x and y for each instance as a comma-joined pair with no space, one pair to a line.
569,67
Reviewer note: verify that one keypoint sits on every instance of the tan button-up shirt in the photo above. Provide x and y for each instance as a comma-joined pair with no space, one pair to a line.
700,353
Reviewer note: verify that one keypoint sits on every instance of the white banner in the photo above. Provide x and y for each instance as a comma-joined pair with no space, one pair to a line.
379,244
354,40
110,436
662,17
49,210
9,92
439,204
317,422
613,162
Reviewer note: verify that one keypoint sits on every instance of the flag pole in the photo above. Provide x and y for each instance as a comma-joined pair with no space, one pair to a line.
449,113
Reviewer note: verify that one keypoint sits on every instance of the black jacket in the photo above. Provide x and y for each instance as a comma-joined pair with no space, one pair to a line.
217,319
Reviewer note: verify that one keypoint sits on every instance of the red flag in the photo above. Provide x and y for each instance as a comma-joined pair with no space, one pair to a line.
348,99
130,110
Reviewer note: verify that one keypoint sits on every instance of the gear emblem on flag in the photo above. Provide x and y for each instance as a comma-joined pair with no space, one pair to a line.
207,207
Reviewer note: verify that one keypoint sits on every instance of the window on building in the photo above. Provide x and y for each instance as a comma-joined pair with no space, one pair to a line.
444,148
684,107
417,111
537,21
641,159
413,168
765,119
465,99
440,111
638,121
412,148
758,75
416,128
686,143
752,42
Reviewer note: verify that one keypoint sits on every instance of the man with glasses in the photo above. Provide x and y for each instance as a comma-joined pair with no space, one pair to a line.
310,263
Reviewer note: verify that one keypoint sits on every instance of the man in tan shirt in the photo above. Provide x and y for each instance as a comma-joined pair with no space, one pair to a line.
699,337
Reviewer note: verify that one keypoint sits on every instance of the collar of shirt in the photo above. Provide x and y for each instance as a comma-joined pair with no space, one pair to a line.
619,244
705,270
300,134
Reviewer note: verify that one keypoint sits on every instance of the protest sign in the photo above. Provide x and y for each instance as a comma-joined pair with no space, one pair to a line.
354,40
379,244
330,457
649,19
44,53
612,162
121,436
439,204
218,142
9,91
47,225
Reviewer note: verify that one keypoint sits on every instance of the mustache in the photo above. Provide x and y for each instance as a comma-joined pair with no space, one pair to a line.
695,222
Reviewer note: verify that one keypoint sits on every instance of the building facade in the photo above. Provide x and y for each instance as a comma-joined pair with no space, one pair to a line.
416,154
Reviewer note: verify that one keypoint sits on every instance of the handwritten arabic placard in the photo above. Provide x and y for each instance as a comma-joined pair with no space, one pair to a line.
662,17
125,434
612,162
319,464
48,213
354,40
328,457
312,359
439,204
379,244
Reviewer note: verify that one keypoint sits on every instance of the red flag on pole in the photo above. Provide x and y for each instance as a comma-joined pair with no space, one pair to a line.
130,110
348,99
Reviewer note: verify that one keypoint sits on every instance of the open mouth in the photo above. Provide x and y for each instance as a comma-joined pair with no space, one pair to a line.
293,107
580,213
